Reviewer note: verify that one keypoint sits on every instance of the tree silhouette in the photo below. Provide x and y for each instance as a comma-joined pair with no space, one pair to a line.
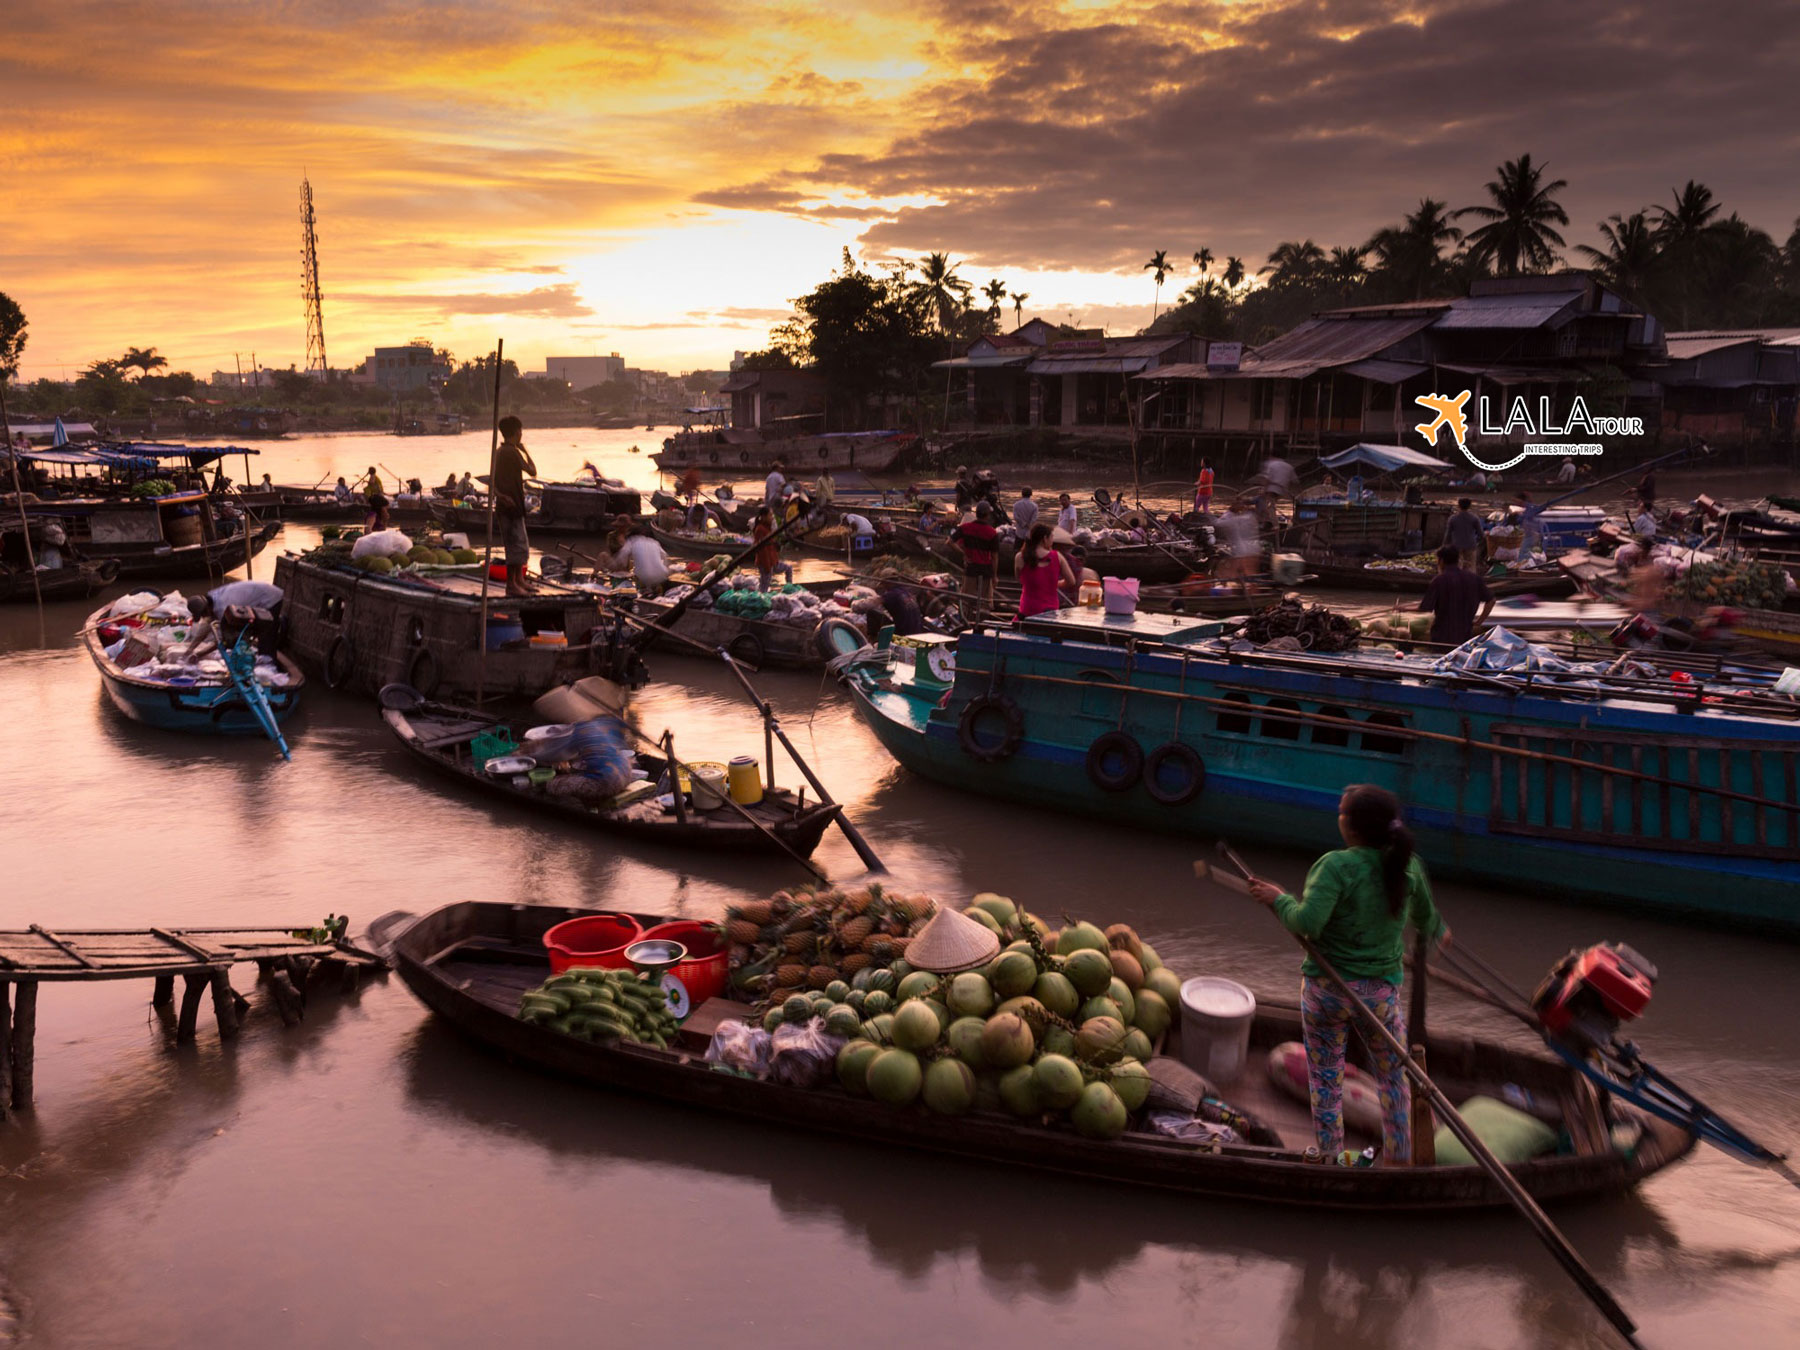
1631,258
939,291
12,335
1019,298
1518,236
143,360
1293,263
1411,254
1234,273
1159,266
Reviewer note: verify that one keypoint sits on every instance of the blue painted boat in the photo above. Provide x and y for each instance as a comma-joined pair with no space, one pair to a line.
1658,794
210,705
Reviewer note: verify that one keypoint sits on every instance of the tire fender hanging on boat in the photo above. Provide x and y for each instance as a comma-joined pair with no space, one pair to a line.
340,662
423,674
1115,761
1183,762
748,648
1011,718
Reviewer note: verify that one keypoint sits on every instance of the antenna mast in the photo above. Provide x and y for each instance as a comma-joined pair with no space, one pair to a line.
309,285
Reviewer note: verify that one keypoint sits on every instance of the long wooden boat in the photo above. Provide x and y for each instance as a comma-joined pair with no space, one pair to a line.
563,509
756,641
1156,564
209,706
363,630
320,506
440,736
470,962
72,581
729,450
1640,792
173,537
1352,574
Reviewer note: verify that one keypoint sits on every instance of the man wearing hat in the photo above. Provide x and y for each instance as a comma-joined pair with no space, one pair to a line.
966,491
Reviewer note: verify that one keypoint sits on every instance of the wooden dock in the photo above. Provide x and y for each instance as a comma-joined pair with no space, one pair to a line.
288,958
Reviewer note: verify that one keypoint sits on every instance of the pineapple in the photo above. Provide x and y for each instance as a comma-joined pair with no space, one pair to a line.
853,932
854,962
820,976
743,933
795,944
880,948
790,976
758,912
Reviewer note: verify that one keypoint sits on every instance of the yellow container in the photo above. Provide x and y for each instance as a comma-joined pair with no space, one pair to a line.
746,780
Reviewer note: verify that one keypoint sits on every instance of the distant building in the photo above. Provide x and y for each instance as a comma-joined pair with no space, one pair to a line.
1734,386
414,368
790,400
584,372
1037,376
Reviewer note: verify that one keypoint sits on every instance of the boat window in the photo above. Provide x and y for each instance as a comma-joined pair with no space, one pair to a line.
1325,734
1384,745
1281,728
331,608
1234,721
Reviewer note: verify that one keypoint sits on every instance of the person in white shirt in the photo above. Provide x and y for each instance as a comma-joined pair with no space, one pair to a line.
1566,474
1025,511
858,526
1068,519
1643,525
342,493
644,557
775,486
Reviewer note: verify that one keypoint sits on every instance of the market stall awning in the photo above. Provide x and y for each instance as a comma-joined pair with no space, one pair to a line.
1385,459
1087,365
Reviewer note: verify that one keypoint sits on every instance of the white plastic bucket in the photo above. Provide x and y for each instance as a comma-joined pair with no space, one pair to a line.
1121,594
1215,1027
710,784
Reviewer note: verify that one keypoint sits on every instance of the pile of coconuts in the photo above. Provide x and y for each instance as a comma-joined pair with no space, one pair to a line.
1057,1027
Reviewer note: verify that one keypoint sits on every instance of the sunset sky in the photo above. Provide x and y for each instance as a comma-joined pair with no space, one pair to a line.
660,179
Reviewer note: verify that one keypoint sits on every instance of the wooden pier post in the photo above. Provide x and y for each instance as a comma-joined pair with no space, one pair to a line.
163,995
24,1044
190,1006
5,1047
224,1005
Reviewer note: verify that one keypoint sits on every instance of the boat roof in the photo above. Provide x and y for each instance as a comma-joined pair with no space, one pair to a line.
135,454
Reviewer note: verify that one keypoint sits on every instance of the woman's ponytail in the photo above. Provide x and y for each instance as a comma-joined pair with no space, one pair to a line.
1374,816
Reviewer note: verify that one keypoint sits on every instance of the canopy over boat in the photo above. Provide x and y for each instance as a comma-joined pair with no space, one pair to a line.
1385,459
134,454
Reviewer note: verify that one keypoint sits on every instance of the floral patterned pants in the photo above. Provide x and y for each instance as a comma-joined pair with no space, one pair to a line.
1325,1020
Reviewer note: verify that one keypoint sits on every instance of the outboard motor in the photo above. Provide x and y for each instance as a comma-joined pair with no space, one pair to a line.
1588,994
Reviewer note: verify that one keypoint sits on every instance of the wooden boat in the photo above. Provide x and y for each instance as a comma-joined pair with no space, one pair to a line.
756,641
73,581
563,508
209,705
470,962
681,544
1678,798
365,630
172,537
440,736
1356,574
1158,564
747,452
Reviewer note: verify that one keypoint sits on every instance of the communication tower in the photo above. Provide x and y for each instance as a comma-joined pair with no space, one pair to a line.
309,285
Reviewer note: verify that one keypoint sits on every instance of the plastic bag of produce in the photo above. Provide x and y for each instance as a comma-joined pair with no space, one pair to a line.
741,1048
802,1054
381,544
138,602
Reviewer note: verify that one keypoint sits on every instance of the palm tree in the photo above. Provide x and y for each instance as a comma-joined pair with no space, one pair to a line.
143,360
1411,253
1742,271
1292,263
1204,261
1688,235
1019,298
995,291
939,291
1159,266
1234,273
1631,256
1518,234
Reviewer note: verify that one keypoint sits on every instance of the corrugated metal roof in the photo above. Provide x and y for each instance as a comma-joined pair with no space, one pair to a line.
1686,346
1499,374
1339,341
993,362
1508,311
1250,370
1087,365
1384,372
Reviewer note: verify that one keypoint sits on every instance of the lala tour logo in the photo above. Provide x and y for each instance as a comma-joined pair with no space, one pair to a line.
1451,414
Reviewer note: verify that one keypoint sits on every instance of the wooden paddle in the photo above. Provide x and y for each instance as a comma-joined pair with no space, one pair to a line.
1547,1231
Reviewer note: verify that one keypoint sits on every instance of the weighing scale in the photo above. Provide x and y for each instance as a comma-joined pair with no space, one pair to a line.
934,657
654,957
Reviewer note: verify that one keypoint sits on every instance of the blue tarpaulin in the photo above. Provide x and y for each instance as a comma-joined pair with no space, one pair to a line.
1385,459
136,454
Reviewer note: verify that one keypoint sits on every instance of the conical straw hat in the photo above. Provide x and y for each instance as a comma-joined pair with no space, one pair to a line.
951,941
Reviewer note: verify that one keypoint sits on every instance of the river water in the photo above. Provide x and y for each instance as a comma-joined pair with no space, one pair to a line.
368,1178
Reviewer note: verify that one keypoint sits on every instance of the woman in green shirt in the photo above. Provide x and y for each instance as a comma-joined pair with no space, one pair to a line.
1359,900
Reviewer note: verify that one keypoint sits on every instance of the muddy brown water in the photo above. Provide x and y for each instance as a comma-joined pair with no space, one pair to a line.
369,1178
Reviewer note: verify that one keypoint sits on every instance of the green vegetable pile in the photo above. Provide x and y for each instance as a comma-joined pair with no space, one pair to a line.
153,487
594,1004
1754,585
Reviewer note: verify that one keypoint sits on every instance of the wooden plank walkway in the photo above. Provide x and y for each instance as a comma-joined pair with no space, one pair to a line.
202,956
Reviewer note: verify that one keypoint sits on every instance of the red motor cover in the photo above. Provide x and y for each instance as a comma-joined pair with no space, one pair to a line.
1623,988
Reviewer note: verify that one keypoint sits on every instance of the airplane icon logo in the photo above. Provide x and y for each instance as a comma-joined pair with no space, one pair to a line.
1450,416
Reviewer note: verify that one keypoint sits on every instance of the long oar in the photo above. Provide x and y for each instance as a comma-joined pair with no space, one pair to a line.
1547,1231
773,724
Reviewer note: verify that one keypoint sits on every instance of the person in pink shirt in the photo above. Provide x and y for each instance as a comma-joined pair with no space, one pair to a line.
1041,570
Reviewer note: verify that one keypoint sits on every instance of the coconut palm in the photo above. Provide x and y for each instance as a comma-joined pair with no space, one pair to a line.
143,360
1410,254
1204,261
1741,272
939,291
1687,234
1019,298
1159,267
1518,236
995,291
1293,263
1631,256
1234,273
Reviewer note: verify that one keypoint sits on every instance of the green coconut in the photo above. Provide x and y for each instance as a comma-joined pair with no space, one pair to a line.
986,920
1013,973
1037,925
1126,968
918,984
970,995
879,1029
1101,1007
1099,1114
1036,1015
1101,1040
1165,982
837,991
949,1087
1019,1092
1137,1044
916,1026
843,1020
996,907
1131,1080
853,1065
798,1008
1057,1041
1148,958
1117,991
382,565
1054,991
894,1077
1058,1081
1078,936
1153,1014
964,1040
876,1002
1089,971
1007,1041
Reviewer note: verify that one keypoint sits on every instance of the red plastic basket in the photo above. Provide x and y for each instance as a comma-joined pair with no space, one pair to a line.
707,966
592,940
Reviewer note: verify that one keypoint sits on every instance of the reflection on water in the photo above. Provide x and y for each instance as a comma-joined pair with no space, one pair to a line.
367,1177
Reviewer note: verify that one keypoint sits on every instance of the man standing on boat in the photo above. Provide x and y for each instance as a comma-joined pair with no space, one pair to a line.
511,463
1463,532
1203,489
1025,511
774,486
978,538
1453,599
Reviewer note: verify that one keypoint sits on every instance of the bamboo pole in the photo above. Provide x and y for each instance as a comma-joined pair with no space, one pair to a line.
1521,1200
37,585
487,557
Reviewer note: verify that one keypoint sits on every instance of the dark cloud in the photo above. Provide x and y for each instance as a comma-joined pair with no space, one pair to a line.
553,302
1084,145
